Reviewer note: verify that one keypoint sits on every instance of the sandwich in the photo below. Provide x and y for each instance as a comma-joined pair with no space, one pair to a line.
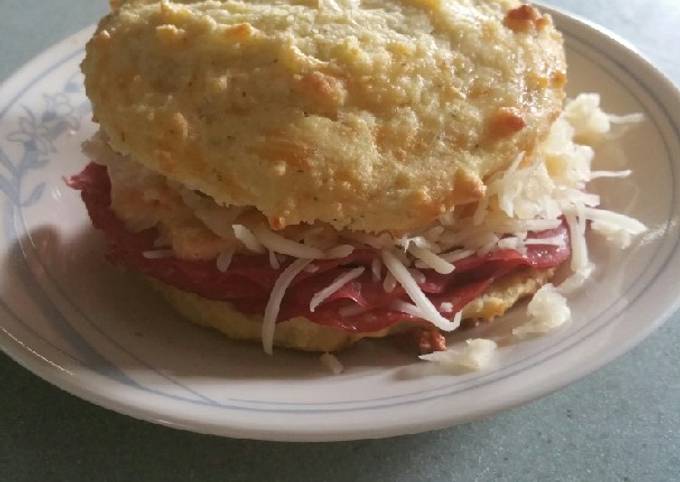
310,174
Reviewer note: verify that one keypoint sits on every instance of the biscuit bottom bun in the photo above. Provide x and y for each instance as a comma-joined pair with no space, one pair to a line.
302,334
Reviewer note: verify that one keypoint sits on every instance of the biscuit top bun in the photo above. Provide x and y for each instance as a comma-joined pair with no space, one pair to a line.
368,115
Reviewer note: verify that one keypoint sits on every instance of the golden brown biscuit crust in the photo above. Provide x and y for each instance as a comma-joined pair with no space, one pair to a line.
367,115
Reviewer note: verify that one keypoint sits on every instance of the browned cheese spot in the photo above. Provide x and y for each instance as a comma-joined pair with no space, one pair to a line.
525,18
277,223
559,80
170,35
276,149
505,122
468,188
322,91
240,32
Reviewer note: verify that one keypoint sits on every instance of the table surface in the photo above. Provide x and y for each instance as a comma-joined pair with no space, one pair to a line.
619,424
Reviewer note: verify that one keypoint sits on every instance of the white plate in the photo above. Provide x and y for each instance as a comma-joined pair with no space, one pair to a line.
71,319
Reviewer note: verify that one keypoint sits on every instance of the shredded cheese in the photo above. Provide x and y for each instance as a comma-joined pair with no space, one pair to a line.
339,252
376,269
512,242
389,283
404,307
223,260
273,260
427,309
529,225
609,174
477,354
337,283
248,239
457,318
420,242
547,310
431,260
552,241
575,281
278,244
271,311
489,245
579,249
626,119
457,255
332,363
480,212
626,223
217,219
613,233
418,275
586,118
447,219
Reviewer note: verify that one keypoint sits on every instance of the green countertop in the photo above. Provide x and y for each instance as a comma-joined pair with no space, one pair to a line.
619,424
